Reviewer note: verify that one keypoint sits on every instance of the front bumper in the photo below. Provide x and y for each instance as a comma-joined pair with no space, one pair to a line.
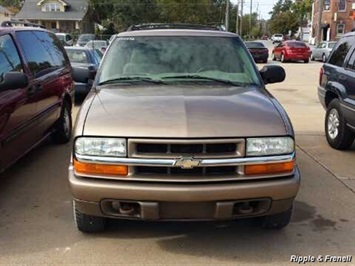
174,201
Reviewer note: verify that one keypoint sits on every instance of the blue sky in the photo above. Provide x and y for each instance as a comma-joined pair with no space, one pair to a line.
263,6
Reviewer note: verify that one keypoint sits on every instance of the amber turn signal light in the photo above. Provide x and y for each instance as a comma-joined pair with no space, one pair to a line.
272,168
95,168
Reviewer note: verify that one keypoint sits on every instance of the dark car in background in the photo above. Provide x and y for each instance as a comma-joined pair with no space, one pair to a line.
82,57
85,38
336,91
258,50
291,51
36,91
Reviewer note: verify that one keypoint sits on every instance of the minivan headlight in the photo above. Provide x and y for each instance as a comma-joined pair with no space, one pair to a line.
269,146
113,147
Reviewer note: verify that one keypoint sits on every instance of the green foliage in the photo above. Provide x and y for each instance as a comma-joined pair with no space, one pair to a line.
289,16
10,3
125,13
284,22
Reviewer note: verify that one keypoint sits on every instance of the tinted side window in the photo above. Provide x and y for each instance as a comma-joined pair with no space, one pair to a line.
42,50
341,50
9,57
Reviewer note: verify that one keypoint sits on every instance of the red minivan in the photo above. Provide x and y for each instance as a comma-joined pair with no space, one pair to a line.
291,51
36,91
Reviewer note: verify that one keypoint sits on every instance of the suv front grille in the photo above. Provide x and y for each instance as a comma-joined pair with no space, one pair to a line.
198,171
181,149
145,148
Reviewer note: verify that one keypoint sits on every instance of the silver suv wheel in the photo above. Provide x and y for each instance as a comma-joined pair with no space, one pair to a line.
333,123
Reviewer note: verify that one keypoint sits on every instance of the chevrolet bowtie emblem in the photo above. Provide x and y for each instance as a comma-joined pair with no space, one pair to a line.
187,162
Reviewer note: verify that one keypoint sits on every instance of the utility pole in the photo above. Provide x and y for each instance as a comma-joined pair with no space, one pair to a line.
251,12
227,16
237,19
320,11
241,18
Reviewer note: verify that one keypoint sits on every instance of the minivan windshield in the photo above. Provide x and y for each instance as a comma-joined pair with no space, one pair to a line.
178,59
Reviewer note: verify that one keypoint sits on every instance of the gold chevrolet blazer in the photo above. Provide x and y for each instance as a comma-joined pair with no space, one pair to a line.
179,126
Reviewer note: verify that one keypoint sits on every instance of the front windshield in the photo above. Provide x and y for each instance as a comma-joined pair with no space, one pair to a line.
166,57
86,37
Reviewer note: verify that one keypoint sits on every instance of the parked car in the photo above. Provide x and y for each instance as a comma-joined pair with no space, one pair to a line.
336,93
97,44
85,38
277,38
179,126
36,91
322,51
65,38
291,51
82,57
258,50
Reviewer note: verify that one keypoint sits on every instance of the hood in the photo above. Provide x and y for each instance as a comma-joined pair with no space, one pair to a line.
182,112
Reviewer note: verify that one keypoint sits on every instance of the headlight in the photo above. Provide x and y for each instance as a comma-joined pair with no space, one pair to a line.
113,147
270,146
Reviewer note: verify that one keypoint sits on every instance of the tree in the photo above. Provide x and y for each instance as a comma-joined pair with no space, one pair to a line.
284,22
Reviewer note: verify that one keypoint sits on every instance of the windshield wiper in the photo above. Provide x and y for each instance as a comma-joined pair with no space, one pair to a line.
131,79
224,81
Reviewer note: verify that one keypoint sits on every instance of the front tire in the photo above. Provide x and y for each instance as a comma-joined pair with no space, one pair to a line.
338,135
282,59
63,128
277,221
88,223
324,59
306,61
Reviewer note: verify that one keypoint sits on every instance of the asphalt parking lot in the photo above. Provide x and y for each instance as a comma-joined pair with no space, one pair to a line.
37,228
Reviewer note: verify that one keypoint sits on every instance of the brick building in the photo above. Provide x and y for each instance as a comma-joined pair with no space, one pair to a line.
338,17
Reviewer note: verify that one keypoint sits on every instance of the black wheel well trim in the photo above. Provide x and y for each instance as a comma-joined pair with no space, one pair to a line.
329,96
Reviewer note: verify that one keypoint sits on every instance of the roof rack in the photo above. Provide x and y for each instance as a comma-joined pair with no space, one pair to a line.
13,23
155,26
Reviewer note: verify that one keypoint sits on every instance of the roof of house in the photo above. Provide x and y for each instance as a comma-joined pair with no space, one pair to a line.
31,11
5,10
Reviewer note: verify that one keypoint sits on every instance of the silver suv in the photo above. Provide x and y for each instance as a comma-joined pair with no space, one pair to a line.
179,126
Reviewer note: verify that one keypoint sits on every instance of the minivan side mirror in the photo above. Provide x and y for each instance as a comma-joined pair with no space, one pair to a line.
83,74
272,74
13,80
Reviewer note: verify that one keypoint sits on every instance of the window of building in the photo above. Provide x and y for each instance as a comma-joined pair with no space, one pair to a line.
6,14
326,5
340,29
52,7
342,5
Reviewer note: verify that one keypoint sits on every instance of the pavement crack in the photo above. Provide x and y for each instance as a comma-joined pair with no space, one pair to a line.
341,180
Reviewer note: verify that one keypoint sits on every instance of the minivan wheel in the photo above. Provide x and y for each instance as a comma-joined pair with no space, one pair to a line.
88,223
277,221
63,128
338,135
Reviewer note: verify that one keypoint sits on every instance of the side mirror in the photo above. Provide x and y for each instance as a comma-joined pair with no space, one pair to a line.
272,74
83,74
13,80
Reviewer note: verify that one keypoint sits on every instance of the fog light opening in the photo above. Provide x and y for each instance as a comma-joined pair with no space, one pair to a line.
243,208
126,208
